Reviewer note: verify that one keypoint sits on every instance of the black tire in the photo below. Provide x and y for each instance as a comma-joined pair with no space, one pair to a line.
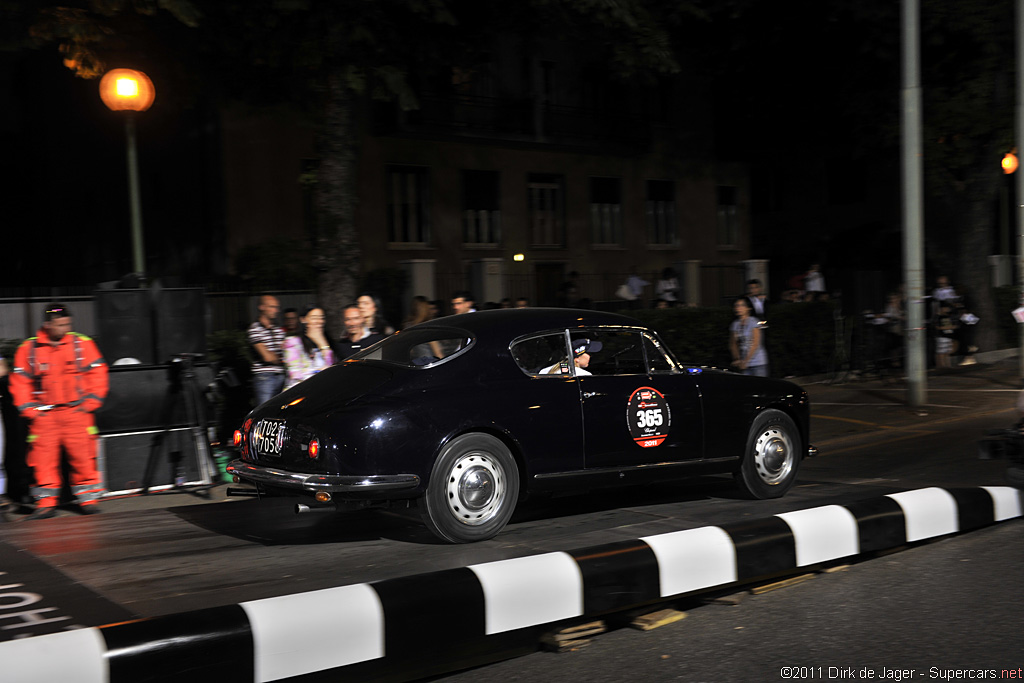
472,491
772,458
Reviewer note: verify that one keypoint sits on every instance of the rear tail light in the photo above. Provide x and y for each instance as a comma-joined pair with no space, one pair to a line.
237,438
314,448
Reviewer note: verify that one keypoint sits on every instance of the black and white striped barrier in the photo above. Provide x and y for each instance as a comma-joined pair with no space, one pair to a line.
427,624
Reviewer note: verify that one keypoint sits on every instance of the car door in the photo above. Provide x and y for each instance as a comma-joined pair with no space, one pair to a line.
639,406
545,409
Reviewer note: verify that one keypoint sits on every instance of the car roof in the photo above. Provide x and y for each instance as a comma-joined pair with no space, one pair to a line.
509,323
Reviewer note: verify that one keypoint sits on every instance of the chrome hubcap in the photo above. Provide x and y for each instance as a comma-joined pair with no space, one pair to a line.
476,488
773,456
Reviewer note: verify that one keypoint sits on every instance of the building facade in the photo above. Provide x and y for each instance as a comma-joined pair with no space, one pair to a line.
515,177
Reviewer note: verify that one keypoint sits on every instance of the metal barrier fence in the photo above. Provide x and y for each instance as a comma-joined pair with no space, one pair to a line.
20,317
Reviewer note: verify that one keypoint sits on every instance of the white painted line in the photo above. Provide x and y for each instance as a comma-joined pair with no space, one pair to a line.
694,558
929,512
527,591
78,655
1006,502
306,632
823,533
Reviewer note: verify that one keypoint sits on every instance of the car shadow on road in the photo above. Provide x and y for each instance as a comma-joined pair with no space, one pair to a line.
273,521
629,497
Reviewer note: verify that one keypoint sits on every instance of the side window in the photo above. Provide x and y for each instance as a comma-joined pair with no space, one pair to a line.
542,356
622,353
658,361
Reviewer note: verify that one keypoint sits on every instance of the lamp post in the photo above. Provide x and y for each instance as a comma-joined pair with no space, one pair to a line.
130,91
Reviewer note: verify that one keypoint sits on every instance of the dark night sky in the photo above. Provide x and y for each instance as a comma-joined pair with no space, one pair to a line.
66,196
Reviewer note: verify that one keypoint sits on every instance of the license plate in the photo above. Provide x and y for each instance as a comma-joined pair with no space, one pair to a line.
268,437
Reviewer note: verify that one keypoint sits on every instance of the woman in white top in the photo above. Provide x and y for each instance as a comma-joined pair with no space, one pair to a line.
308,352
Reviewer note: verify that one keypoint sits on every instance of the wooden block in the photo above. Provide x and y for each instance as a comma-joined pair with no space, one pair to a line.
656,619
785,583
549,643
572,637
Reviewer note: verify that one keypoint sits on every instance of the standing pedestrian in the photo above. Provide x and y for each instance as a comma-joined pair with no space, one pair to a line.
369,305
267,341
357,335
667,288
814,284
59,381
462,302
745,341
308,351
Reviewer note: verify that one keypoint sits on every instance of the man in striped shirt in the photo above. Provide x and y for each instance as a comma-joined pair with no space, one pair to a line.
267,340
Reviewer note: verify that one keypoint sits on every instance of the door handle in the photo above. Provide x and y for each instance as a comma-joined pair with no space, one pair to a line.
589,394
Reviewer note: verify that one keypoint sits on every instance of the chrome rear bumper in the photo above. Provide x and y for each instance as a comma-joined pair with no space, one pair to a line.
333,483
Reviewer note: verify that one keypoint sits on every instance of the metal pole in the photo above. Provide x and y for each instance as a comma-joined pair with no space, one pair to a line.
138,248
913,231
1019,20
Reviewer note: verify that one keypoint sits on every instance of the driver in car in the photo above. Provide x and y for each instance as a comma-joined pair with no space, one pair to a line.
581,349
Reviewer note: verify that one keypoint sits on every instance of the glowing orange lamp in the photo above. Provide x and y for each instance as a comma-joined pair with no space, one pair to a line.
127,90
1010,162
130,91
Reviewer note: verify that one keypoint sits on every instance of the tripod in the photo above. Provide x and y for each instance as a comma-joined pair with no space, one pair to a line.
183,386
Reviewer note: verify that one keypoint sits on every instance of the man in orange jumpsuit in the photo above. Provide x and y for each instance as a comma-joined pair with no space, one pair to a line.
59,379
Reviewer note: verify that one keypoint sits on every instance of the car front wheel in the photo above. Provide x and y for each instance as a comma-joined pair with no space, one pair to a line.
472,490
772,458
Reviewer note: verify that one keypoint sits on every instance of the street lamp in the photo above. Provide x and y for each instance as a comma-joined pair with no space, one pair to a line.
130,91
1009,162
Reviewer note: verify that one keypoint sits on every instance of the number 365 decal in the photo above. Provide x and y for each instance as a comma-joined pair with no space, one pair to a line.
648,417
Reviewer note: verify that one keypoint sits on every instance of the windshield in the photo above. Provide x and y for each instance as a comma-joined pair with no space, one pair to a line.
419,348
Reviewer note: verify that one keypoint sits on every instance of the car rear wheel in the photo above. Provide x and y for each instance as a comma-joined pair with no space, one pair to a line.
772,457
472,490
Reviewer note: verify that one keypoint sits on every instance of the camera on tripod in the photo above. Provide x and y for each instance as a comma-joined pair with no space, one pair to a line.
183,393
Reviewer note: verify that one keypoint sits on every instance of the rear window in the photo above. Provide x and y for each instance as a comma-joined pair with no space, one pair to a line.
418,348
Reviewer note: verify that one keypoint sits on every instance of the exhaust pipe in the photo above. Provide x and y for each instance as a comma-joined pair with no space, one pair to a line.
243,493
301,508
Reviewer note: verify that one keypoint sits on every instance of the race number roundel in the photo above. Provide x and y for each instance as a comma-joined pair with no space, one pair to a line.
648,417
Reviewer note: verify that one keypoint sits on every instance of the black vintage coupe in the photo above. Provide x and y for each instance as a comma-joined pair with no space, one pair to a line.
468,414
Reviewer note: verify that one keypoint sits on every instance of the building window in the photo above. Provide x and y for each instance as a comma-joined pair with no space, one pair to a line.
661,212
728,216
408,204
606,211
547,210
475,81
481,208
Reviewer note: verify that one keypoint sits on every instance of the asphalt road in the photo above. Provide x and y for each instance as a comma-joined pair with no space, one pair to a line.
169,553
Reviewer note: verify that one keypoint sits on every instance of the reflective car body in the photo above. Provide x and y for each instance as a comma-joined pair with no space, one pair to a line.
468,413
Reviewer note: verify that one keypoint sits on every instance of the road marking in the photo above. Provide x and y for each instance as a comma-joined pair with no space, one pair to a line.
882,442
892,404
